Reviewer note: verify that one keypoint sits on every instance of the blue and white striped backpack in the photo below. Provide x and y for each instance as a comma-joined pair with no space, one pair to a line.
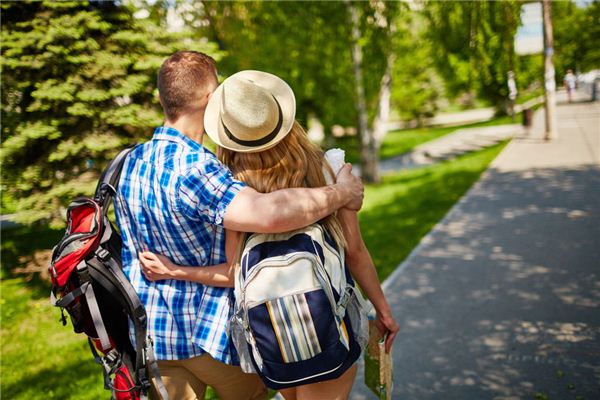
298,318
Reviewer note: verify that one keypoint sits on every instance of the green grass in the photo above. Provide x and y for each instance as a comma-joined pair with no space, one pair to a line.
455,106
398,212
403,140
41,359
525,97
23,241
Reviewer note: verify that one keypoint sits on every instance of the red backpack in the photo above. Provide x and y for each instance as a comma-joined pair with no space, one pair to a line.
88,282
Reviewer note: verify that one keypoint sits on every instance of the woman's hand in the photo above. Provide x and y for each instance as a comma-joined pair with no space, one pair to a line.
387,325
156,267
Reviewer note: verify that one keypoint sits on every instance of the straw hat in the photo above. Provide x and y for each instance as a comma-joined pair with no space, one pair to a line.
250,111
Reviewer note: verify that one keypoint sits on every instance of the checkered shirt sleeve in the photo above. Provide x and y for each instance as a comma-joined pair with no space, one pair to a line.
205,192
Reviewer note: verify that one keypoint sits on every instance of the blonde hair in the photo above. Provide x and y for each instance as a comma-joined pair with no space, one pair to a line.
293,163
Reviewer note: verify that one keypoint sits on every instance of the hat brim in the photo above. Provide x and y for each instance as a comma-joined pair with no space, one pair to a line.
272,84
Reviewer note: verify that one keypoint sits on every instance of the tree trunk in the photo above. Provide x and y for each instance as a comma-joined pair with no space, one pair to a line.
380,125
369,165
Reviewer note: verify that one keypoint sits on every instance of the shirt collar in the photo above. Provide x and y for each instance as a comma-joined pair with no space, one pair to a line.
173,135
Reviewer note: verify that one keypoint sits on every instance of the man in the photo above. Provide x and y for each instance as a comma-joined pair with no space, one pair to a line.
174,198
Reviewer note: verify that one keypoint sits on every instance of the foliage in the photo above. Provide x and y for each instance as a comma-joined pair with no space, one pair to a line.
417,87
529,73
475,45
575,49
77,85
309,46
474,42
293,42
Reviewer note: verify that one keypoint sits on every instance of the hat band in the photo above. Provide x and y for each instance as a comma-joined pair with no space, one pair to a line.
258,142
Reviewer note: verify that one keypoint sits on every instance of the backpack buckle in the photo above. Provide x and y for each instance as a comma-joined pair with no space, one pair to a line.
143,379
103,254
82,270
105,189
343,303
113,358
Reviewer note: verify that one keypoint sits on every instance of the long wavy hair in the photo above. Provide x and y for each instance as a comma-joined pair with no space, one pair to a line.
293,163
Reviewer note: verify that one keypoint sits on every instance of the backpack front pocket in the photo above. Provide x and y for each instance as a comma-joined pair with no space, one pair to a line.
294,328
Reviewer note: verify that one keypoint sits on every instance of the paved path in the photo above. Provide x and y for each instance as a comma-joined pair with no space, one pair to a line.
502,299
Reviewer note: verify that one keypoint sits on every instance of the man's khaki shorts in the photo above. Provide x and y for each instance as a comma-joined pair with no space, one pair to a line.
188,379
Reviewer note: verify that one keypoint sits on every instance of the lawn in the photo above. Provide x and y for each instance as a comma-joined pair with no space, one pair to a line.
41,359
403,140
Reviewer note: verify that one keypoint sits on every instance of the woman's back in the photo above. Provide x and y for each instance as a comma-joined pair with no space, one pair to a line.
292,163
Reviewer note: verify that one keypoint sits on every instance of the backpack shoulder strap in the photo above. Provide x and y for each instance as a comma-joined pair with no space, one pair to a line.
109,180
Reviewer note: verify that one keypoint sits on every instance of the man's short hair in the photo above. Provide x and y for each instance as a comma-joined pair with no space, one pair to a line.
182,81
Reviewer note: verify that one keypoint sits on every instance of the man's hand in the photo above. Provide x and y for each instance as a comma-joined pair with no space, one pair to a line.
354,186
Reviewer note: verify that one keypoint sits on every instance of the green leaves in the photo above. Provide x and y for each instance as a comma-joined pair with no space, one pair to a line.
26,135
576,49
474,43
78,85
133,115
53,91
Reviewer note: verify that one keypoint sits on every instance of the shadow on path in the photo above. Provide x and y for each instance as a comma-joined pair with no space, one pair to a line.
502,299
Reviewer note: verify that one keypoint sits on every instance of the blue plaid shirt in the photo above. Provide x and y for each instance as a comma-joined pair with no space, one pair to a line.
171,199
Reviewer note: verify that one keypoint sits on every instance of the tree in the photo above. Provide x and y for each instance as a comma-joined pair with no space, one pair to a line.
306,44
576,49
474,40
77,86
418,89
378,28
309,45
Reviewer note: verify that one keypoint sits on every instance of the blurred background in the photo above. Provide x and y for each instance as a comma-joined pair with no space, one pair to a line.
378,79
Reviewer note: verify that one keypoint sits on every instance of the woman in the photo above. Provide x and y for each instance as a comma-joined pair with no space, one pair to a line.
251,117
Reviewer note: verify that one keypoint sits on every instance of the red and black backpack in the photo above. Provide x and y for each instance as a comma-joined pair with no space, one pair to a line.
88,282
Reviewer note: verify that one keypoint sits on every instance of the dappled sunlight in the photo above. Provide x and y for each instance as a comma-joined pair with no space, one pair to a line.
571,294
452,251
418,293
420,324
404,208
491,306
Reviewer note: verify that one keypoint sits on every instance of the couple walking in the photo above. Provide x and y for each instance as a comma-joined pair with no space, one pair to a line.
181,211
